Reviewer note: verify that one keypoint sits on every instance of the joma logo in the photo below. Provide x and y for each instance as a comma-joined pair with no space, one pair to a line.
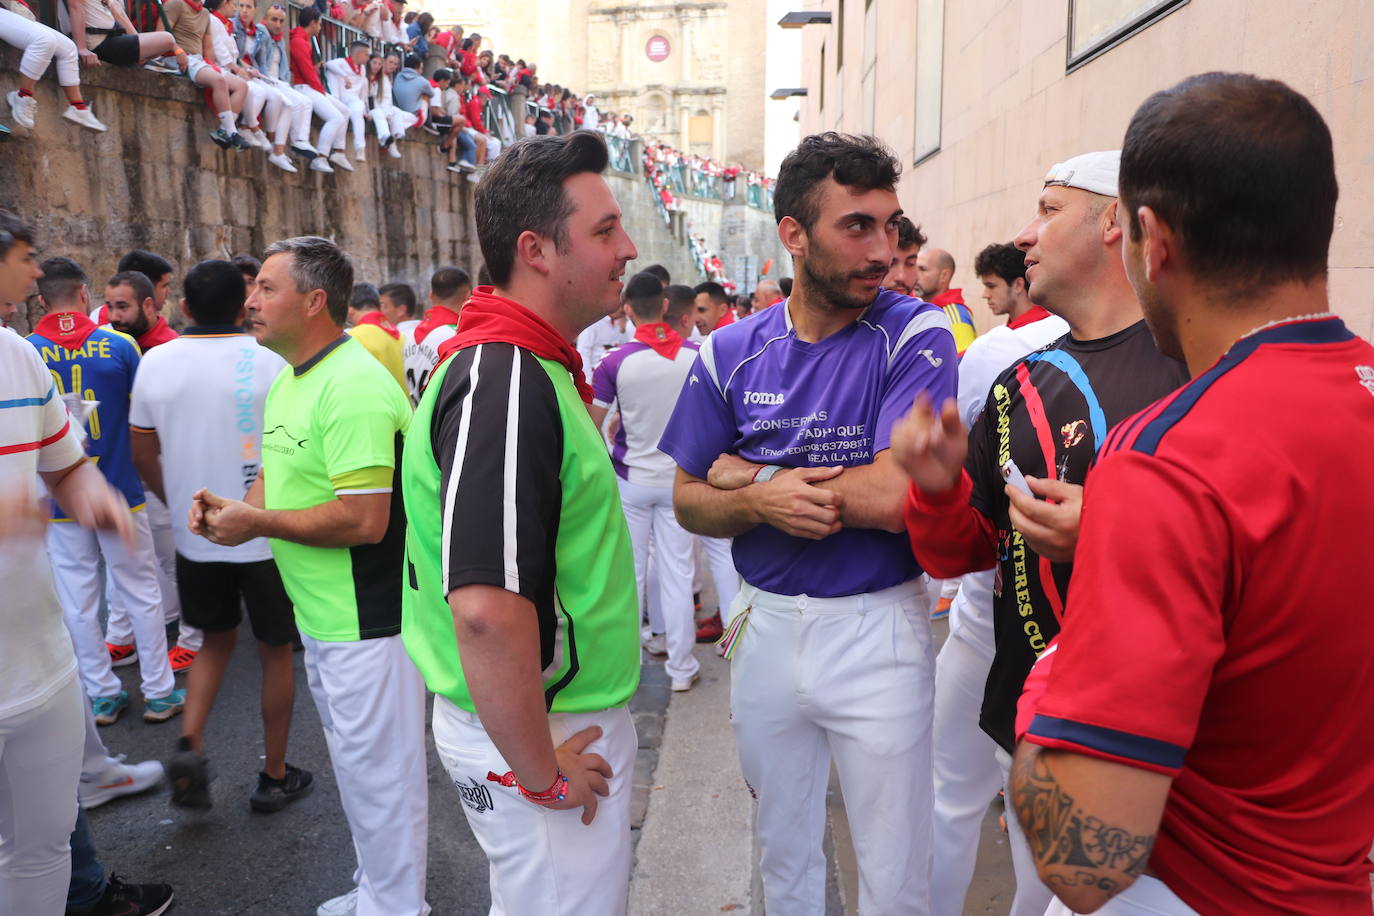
762,397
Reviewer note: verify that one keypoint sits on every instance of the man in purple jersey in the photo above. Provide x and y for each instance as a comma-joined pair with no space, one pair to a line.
781,437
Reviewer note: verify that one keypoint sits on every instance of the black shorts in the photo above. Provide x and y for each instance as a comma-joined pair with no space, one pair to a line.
120,50
212,595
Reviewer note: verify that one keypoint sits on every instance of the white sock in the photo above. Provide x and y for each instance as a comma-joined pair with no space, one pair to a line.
226,121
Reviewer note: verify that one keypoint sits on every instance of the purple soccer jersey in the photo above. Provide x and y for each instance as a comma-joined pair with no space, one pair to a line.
645,385
759,392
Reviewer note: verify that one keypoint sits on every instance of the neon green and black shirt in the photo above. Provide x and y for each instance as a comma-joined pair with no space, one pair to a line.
507,483
333,426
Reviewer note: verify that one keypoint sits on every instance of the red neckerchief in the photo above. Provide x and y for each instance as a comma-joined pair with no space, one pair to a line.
436,317
224,19
379,320
727,318
66,329
949,297
356,68
488,318
250,28
660,337
158,334
1030,316
195,5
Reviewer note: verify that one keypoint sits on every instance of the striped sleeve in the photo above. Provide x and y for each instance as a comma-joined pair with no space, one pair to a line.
51,432
498,439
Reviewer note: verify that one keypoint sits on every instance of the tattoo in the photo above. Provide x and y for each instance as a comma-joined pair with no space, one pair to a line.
1073,848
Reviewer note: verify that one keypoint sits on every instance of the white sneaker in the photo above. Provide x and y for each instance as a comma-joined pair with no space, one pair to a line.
391,151
257,136
684,684
281,162
83,116
319,165
342,905
466,166
473,177
339,158
118,779
360,155
655,644
23,108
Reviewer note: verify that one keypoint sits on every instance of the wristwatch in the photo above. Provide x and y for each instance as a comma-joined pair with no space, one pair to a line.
765,473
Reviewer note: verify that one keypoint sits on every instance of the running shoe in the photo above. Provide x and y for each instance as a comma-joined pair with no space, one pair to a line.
393,151
319,165
180,658
710,629
467,166
23,108
274,794
121,655
684,684
160,709
124,899
340,158
223,139
454,168
189,775
85,117
240,142
4,132
342,905
119,778
281,162
106,710
942,609
303,149
654,644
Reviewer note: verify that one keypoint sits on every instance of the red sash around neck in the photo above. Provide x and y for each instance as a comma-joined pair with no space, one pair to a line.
660,337
379,320
66,329
436,317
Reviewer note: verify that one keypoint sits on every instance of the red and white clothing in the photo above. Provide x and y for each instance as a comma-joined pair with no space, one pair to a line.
420,344
348,84
306,81
1232,651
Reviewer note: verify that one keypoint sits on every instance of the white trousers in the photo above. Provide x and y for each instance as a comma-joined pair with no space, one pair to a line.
76,553
391,121
253,104
332,112
95,756
40,45
357,117
1032,896
1146,897
544,861
293,116
851,678
40,763
118,629
723,573
371,701
967,778
651,520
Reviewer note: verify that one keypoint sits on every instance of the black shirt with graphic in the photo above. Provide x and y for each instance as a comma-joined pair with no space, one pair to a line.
1049,413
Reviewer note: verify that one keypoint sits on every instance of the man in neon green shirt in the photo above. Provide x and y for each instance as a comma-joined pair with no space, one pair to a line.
520,603
327,500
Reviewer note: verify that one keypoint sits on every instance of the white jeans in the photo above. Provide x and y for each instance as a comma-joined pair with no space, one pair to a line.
293,115
332,112
851,678
40,763
357,117
650,518
391,121
1147,897
544,861
371,701
75,553
40,45
118,629
968,775
723,573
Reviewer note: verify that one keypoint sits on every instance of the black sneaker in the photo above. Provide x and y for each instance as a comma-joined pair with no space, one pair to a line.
240,142
275,794
189,775
222,138
121,899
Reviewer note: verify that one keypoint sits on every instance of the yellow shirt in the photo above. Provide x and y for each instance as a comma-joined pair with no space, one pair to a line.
385,348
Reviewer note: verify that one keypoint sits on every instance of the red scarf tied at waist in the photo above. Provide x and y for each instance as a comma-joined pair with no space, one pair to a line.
488,318
660,337
66,329
378,319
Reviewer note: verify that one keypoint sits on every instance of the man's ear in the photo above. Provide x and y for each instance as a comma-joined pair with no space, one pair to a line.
793,237
531,249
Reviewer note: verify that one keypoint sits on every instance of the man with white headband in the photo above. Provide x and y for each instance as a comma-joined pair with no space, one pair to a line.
1044,418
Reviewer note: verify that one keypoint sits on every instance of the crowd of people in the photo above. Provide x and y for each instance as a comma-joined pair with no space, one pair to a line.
498,500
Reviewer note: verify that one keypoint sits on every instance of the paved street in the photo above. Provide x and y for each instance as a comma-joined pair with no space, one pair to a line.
694,857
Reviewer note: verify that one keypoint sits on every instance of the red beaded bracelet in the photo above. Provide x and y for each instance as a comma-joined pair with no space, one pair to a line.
552,795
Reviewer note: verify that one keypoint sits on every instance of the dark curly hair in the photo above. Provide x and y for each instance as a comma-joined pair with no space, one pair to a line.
861,162
1003,259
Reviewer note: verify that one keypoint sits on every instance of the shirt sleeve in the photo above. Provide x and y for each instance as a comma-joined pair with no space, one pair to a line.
140,406
497,437
926,361
59,443
603,382
358,431
702,426
1140,640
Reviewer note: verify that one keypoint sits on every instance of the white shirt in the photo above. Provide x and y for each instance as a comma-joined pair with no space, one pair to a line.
421,357
986,358
344,83
36,655
203,394
226,51
645,384
599,339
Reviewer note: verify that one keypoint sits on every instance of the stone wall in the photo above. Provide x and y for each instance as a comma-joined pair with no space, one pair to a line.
156,181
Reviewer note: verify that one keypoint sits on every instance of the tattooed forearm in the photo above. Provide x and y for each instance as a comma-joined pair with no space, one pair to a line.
1072,847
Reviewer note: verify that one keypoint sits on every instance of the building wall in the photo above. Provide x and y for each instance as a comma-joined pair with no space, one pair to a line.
1009,110
155,181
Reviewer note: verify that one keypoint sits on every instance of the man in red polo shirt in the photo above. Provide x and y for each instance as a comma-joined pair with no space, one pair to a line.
1202,742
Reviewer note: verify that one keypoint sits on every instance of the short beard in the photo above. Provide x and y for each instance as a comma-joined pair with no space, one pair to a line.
134,329
831,286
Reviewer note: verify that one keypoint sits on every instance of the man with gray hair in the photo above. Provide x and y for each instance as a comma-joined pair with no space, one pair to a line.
765,294
326,498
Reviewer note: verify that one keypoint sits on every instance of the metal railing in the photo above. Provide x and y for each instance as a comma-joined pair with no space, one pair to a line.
622,153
